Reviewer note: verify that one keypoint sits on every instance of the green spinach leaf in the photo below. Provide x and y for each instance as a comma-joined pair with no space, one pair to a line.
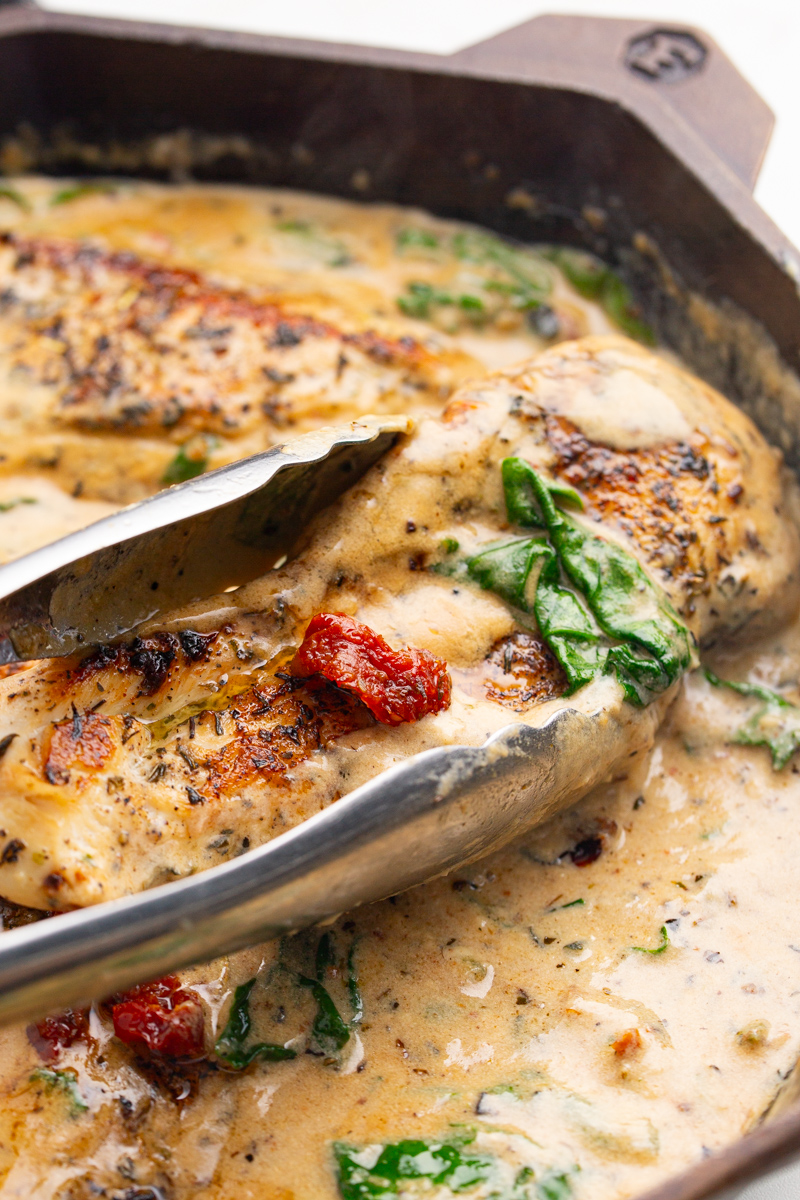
325,956
611,617
506,569
657,647
525,574
329,1032
79,190
584,271
191,460
230,1046
515,274
520,501
330,250
353,989
555,1186
182,467
528,279
416,239
420,298
7,193
595,280
569,631
617,300
367,1175
400,1162
776,723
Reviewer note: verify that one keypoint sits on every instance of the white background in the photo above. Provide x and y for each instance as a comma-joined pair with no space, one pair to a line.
763,39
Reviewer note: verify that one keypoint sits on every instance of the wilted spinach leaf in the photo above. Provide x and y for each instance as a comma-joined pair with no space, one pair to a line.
230,1046
776,723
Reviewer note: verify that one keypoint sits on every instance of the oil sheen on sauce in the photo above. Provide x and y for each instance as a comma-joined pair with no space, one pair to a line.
592,1009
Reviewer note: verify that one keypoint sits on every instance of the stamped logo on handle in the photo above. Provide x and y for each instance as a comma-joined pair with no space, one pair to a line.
665,55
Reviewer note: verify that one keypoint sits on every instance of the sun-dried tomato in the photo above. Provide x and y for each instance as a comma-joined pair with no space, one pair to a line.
396,685
160,1017
627,1043
54,1034
587,851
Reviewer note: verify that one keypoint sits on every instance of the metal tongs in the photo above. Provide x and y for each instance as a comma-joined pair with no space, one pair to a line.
420,819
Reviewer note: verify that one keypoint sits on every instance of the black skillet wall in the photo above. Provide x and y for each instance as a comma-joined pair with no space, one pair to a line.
455,145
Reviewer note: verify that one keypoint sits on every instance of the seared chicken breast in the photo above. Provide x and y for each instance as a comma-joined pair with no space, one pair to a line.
524,1025
144,358
210,733
149,333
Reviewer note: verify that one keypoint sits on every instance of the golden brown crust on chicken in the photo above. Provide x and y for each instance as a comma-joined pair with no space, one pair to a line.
255,738
668,498
159,758
521,670
149,660
304,716
132,346
262,734
704,509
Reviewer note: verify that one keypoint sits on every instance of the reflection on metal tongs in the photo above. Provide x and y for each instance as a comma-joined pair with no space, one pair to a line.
190,541
438,810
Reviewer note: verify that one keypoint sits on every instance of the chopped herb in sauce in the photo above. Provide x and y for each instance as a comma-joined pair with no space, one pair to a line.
8,505
331,251
231,1046
569,904
65,1082
190,461
513,278
329,1032
655,949
353,989
421,298
527,281
416,239
79,190
7,193
775,723
595,280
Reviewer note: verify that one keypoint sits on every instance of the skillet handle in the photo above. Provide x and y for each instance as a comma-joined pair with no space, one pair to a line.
641,64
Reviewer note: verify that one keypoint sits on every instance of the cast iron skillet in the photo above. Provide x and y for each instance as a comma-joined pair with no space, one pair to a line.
641,143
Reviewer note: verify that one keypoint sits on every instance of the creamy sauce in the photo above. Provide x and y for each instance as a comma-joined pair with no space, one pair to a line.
625,409
514,1006
490,1006
340,262
34,511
